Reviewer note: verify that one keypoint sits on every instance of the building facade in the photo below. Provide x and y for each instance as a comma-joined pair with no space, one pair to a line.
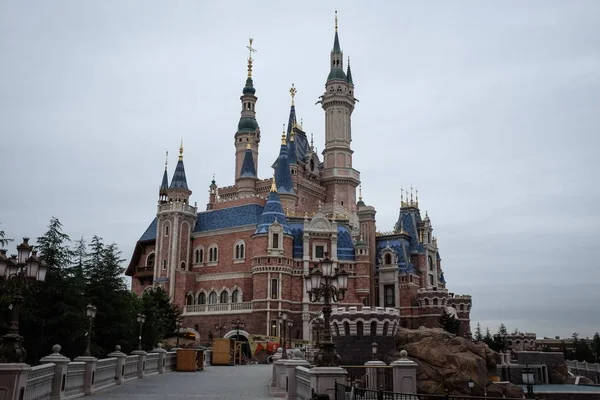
245,255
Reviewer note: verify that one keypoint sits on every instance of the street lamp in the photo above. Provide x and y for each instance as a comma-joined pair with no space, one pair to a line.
283,325
528,379
21,267
179,324
374,347
471,384
331,285
237,324
91,314
290,324
219,327
141,318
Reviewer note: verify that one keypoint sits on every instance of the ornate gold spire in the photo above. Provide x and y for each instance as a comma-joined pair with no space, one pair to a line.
250,50
248,146
166,159
293,92
273,185
283,141
181,150
336,22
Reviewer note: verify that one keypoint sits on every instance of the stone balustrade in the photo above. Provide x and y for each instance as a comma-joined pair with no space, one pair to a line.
236,308
39,382
105,373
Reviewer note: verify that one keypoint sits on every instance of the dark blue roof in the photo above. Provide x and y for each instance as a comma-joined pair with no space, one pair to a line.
228,217
292,154
298,232
165,181
345,247
150,233
442,280
272,211
249,88
410,217
248,170
336,44
291,121
349,74
283,176
401,247
179,180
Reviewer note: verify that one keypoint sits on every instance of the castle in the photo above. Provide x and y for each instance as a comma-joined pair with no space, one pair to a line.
246,254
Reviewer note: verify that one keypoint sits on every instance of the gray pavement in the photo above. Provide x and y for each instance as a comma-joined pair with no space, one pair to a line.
239,382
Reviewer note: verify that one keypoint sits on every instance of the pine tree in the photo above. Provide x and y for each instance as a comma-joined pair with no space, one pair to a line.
596,347
478,335
449,322
502,329
161,317
4,240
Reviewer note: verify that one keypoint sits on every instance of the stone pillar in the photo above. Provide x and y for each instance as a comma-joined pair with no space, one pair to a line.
141,362
405,374
13,380
323,379
290,371
161,357
120,356
60,371
276,357
90,373
372,368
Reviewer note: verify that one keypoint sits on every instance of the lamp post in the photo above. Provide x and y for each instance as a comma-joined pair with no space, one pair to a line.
18,268
528,379
91,314
141,318
283,325
329,284
179,324
219,327
290,324
374,347
237,324
471,384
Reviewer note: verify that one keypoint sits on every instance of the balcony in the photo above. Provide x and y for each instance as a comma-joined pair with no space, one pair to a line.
224,308
145,271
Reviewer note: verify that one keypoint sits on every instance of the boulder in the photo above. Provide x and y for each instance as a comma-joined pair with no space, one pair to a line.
558,374
447,362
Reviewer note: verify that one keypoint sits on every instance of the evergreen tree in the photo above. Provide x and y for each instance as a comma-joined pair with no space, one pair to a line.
478,335
502,329
596,347
487,338
161,317
449,322
3,239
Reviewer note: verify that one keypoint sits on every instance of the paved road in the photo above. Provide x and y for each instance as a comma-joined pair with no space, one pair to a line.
240,382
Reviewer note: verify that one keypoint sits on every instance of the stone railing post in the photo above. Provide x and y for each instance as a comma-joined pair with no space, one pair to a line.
60,371
276,357
405,374
120,356
141,362
324,379
13,380
161,357
90,373
371,368
290,365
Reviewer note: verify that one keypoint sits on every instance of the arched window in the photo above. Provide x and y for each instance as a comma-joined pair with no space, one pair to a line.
336,328
199,255
212,298
239,250
202,298
189,300
235,296
213,253
426,301
461,307
346,328
167,230
183,265
359,328
224,298
435,301
150,260
373,328
388,259
430,262
386,327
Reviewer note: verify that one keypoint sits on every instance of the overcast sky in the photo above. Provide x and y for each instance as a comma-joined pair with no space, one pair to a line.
491,109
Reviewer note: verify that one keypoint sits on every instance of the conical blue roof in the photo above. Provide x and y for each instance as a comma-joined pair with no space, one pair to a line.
248,169
283,176
179,181
273,211
336,43
165,181
292,155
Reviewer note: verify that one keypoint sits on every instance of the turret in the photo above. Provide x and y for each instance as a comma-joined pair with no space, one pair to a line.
212,194
248,131
178,190
164,186
283,177
246,183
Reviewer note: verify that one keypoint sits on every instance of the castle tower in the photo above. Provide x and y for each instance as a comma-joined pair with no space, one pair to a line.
248,131
367,229
164,186
283,177
212,194
175,222
338,101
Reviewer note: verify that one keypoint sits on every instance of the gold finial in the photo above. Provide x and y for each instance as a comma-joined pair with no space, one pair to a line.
166,160
283,142
181,150
250,50
273,185
293,92
248,146
360,192
336,24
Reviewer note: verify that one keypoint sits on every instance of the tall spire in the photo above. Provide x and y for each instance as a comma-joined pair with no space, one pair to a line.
349,74
179,180
165,180
337,61
336,39
292,117
181,150
282,169
248,170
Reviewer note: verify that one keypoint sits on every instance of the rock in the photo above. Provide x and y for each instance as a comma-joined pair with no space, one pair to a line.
447,362
558,374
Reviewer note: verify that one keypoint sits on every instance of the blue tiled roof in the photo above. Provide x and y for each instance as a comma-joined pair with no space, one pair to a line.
283,176
150,233
291,122
228,217
345,247
401,247
292,154
165,181
298,232
301,144
272,211
410,218
442,280
248,170
179,180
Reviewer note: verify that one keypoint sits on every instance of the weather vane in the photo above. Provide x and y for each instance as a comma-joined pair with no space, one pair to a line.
293,92
250,50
